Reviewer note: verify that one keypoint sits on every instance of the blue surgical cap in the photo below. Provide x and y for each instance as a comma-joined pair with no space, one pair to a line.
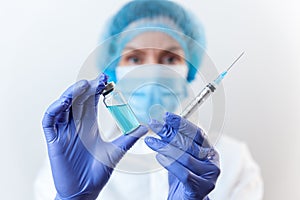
152,15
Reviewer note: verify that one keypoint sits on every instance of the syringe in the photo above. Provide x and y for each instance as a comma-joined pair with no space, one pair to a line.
206,92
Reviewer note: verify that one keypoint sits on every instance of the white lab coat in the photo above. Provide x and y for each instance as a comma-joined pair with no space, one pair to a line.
240,179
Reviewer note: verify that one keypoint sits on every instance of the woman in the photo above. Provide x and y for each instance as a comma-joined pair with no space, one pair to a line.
152,34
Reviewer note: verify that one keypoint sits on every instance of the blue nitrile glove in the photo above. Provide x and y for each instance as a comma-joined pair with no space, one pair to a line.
81,161
192,163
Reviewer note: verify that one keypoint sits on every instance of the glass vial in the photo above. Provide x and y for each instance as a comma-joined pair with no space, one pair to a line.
119,108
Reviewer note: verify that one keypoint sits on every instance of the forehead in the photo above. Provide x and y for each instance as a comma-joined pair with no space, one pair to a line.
155,40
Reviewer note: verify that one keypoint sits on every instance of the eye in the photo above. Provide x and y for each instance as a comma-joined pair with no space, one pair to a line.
171,59
135,57
134,60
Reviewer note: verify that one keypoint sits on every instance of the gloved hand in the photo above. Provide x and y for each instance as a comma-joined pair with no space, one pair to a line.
192,163
81,161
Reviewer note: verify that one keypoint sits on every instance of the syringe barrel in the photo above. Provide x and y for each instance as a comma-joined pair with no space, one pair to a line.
198,101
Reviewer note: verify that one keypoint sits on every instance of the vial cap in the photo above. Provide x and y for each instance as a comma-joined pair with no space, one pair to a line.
108,88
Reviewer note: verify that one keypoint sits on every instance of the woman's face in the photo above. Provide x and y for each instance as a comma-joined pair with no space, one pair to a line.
155,93
152,48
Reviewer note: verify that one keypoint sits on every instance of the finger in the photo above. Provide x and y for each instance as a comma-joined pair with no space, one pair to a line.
125,142
178,147
185,127
156,126
100,84
70,95
48,121
181,142
165,131
86,103
169,137
63,117
59,106
172,120
198,167
75,90
154,143
192,131
183,174
191,181
193,165
102,78
168,130
160,129
96,87
164,148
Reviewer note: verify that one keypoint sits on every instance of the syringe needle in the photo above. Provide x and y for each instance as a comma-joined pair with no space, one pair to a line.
206,92
221,76
227,70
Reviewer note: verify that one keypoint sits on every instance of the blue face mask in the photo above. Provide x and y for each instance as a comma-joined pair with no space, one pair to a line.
151,90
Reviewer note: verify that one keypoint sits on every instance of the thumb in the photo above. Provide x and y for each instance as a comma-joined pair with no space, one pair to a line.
125,142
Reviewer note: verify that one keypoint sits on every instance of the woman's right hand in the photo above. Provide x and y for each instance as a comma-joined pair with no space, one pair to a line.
81,162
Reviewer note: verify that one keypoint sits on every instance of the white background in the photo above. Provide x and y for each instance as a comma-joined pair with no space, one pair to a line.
43,44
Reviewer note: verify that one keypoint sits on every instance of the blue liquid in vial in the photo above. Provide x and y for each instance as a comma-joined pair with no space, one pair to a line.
125,117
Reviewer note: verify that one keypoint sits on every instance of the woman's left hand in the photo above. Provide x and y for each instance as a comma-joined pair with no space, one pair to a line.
192,163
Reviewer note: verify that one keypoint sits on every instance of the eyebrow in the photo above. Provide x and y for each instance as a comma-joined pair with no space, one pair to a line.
128,50
170,49
174,48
